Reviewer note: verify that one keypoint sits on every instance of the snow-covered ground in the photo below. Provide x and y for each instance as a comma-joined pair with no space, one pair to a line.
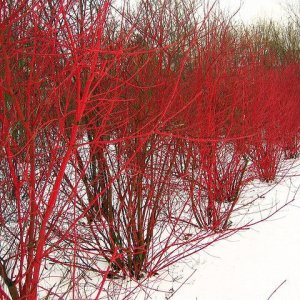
257,264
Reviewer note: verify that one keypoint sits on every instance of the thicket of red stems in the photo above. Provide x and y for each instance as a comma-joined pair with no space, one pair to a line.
127,138
272,120
52,70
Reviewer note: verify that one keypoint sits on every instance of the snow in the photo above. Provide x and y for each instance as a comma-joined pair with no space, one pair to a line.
260,263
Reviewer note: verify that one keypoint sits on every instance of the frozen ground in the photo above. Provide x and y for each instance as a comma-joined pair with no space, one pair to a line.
258,264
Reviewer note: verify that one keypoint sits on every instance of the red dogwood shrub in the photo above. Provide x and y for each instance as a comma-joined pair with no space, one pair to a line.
127,137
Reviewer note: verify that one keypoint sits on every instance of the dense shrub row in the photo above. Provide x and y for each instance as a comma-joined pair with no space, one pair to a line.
127,136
